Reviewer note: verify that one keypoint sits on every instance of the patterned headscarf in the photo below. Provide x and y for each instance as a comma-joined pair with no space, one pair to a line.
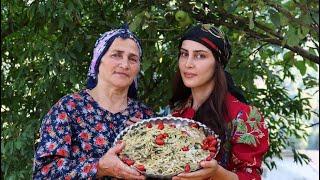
213,39
101,47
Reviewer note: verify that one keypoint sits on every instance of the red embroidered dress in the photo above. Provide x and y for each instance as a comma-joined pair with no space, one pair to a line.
249,137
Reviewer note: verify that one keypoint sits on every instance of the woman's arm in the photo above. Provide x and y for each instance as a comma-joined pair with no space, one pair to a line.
53,155
250,142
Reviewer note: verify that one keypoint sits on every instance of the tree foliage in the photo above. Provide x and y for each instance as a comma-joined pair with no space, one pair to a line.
47,47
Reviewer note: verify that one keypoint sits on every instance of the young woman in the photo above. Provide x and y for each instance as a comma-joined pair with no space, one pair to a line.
77,134
203,91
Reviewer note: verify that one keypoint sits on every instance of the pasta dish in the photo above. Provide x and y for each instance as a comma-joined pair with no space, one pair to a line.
165,149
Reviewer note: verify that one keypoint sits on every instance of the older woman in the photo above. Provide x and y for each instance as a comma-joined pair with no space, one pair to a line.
77,134
205,92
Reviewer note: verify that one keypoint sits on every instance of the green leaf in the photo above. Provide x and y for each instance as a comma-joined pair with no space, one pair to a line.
233,6
288,56
18,144
311,64
146,64
301,65
275,17
137,21
283,20
292,35
315,16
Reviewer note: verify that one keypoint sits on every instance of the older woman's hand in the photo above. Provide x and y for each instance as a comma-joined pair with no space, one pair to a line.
208,171
132,121
111,165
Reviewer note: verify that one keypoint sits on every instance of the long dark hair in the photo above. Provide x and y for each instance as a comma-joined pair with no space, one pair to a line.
212,112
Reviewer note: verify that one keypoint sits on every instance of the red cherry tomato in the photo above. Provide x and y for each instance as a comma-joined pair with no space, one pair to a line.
165,135
205,141
185,148
213,143
210,137
149,125
160,125
159,141
159,136
187,168
204,146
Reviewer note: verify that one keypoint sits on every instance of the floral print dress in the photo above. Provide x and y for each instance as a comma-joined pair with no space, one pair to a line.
248,137
76,132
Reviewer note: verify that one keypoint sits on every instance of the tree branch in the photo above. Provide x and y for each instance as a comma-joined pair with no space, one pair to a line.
258,49
257,24
287,13
233,22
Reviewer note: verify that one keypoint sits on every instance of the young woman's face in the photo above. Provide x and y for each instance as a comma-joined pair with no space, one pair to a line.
120,65
196,64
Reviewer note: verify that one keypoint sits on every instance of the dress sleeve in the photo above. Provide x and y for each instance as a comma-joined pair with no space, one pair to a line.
52,158
250,141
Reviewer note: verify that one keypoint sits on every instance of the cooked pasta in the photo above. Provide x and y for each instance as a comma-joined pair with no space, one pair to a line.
165,150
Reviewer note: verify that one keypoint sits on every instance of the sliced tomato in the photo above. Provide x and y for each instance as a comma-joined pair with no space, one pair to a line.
212,154
194,125
212,149
129,162
209,158
185,133
124,158
187,168
140,167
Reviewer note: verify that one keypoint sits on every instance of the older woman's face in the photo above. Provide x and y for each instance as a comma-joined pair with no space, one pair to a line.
196,64
120,65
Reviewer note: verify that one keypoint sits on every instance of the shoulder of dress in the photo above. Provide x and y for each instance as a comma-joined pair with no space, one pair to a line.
72,97
235,106
140,104
238,109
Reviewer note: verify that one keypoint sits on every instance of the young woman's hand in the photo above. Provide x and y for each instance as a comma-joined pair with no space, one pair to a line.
209,169
110,165
132,120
